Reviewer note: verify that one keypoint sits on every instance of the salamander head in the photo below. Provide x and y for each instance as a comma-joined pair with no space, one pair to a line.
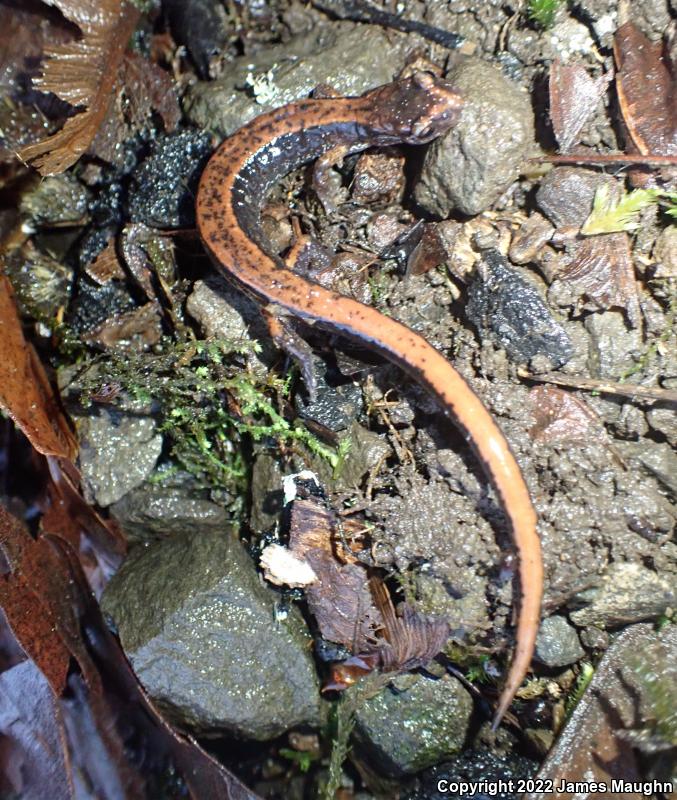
414,110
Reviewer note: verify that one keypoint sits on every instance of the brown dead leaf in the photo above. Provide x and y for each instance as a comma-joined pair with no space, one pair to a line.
25,393
355,610
341,602
150,259
83,72
106,265
149,88
24,113
647,91
410,640
429,253
142,88
561,417
131,332
66,515
574,96
602,271
40,619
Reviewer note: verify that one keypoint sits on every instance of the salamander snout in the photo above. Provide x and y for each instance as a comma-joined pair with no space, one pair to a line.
415,110
440,108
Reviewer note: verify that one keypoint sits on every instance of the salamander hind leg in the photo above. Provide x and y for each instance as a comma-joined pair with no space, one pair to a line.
287,339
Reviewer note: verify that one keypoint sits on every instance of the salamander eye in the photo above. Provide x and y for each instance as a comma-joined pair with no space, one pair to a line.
423,129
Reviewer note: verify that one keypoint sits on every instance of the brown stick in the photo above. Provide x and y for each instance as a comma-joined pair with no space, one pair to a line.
649,394
610,158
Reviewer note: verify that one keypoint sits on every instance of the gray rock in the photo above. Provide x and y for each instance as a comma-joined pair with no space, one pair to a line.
283,73
635,680
558,644
335,407
224,312
508,308
665,253
199,629
660,460
595,638
157,510
117,453
421,723
470,167
566,193
627,593
611,344
267,494
664,420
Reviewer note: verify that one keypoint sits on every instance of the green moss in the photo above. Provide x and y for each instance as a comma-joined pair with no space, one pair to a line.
543,12
211,406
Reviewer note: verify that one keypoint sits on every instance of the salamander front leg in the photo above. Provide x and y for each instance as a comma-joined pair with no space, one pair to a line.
327,181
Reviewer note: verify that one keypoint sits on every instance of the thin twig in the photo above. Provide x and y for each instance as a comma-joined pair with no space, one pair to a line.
610,158
648,394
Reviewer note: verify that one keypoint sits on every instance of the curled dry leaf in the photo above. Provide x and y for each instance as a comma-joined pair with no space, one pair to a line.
601,270
561,417
339,599
355,610
83,72
410,639
574,96
67,516
647,91
25,393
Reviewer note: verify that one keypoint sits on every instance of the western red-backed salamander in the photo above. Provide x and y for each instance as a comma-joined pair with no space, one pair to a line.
232,191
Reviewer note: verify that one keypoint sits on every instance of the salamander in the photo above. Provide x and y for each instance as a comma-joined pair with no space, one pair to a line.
231,194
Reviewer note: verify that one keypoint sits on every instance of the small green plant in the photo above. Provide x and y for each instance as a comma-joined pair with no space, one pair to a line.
342,722
621,213
543,12
477,672
303,760
578,689
670,201
614,214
